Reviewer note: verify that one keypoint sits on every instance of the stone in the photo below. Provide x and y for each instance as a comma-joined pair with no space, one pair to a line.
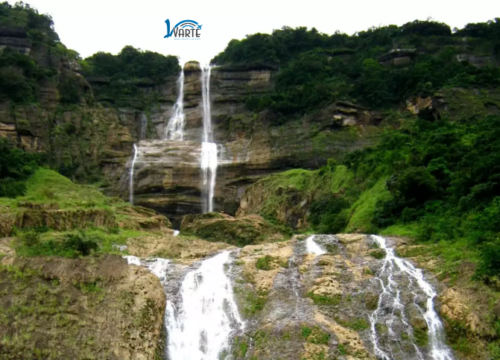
86,308
239,231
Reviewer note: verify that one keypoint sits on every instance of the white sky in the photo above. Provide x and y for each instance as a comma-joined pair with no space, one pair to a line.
89,26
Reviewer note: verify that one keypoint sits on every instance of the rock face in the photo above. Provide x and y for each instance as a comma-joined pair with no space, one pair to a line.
299,305
236,231
167,174
28,216
55,308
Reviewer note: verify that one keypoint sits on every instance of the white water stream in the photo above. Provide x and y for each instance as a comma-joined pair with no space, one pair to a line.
200,325
209,159
131,177
394,269
201,322
175,126
313,247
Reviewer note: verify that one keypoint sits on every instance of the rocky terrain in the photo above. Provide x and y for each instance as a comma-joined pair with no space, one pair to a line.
55,308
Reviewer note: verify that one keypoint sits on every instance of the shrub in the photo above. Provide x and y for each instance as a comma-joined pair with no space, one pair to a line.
264,263
489,264
326,214
15,167
73,245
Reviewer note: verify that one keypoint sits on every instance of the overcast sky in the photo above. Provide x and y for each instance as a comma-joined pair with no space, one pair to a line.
108,25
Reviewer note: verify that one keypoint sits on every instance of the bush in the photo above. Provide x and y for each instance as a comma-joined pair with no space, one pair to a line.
264,263
489,264
73,245
15,167
327,215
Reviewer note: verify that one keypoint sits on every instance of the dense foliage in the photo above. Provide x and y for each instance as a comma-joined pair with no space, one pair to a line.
132,63
316,69
15,167
443,178
73,245
124,74
19,73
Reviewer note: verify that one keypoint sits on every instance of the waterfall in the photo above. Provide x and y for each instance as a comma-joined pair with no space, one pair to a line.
200,319
200,325
208,148
313,247
391,276
175,127
131,177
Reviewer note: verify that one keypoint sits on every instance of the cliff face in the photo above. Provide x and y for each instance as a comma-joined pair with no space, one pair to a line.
167,174
79,309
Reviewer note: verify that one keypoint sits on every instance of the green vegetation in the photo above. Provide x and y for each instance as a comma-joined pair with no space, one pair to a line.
317,69
132,63
73,245
48,187
121,76
20,75
253,301
315,335
15,167
433,180
358,324
264,263
324,300
378,254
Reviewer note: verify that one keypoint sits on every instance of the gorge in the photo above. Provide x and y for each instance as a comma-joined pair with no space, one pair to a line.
276,163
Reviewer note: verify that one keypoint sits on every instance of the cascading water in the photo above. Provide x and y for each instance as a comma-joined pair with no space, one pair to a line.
208,148
313,247
131,177
200,324
175,126
202,317
394,274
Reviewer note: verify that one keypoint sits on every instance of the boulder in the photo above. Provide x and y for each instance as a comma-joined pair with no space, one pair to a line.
236,231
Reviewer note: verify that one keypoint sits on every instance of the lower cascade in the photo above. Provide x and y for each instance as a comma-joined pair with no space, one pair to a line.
200,323
396,276
202,318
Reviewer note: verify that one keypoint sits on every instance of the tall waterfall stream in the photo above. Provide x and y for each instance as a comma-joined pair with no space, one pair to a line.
208,148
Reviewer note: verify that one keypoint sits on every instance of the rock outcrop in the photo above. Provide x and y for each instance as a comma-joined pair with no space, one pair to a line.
302,306
55,308
167,173
236,231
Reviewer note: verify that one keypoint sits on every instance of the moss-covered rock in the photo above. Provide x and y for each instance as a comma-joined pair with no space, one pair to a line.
236,231
62,309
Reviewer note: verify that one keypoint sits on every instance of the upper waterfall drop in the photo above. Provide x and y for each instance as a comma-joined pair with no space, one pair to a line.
131,177
207,114
209,158
175,127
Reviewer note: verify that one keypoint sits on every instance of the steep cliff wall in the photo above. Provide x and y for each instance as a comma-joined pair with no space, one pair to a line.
250,145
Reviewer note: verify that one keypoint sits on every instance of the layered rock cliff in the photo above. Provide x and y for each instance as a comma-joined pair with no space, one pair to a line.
250,145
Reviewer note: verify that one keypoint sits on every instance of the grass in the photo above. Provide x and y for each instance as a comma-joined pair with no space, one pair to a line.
264,263
363,209
358,324
324,300
47,186
315,335
53,243
378,254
